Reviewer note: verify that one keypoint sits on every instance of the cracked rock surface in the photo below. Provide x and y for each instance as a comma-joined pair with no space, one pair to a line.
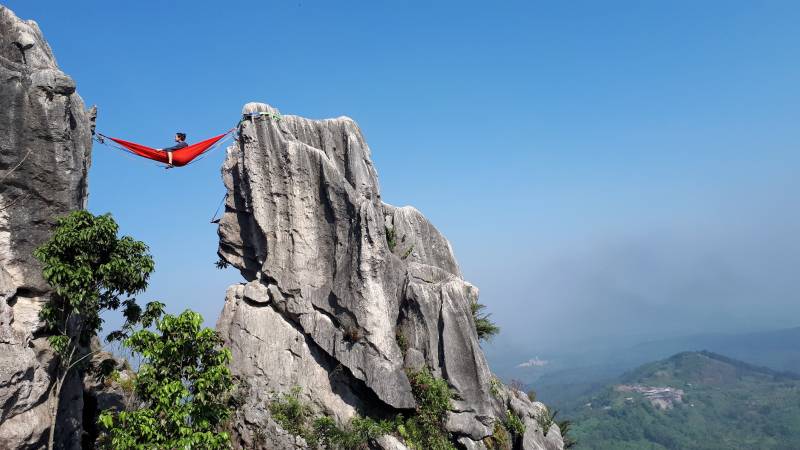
343,292
45,144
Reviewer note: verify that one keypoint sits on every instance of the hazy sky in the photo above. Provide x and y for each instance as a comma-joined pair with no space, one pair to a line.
602,168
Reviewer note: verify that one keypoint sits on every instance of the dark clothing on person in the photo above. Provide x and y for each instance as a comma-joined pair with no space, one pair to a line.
177,146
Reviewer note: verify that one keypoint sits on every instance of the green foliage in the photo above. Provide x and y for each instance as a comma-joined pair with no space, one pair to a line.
126,384
495,385
565,426
500,439
325,432
182,388
292,414
296,417
407,252
485,328
136,316
546,420
431,393
359,432
90,270
423,430
532,395
514,424
391,238
727,404
402,342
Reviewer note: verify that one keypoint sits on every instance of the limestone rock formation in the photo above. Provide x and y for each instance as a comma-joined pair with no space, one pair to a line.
45,144
103,393
344,293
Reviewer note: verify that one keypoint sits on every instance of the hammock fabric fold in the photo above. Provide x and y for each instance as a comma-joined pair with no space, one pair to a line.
180,157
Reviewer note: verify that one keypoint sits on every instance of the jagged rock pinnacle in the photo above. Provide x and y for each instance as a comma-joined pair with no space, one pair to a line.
335,279
45,145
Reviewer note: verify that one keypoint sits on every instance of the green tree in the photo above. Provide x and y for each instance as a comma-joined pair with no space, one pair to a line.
90,269
183,389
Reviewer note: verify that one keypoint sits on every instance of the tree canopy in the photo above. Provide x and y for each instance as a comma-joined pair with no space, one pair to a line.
182,388
90,270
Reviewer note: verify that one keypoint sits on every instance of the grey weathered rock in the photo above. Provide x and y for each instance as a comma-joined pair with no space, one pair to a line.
388,442
45,144
103,393
337,283
269,352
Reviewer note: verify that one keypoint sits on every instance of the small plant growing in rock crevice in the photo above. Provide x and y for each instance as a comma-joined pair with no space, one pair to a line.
513,423
322,432
546,420
402,342
500,439
495,385
485,328
423,430
355,435
505,433
291,413
391,238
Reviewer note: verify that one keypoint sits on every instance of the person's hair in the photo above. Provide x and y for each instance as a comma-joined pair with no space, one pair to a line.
181,136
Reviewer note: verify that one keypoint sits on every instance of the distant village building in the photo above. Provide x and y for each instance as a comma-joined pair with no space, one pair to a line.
660,397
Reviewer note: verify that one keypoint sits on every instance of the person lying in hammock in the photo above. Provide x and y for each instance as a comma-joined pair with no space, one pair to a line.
180,138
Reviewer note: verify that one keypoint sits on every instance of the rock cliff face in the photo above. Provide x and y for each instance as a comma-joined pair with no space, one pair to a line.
45,144
344,293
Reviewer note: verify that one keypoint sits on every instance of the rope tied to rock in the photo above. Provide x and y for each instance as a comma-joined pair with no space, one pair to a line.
263,114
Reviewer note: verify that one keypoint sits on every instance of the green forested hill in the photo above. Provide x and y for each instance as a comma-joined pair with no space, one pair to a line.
693,400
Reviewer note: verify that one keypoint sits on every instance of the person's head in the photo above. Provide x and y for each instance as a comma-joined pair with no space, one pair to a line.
180,137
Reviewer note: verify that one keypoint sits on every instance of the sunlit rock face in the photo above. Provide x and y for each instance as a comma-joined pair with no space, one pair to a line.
344,293
45,144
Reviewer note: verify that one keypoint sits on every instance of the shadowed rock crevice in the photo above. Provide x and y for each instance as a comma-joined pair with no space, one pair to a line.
304,216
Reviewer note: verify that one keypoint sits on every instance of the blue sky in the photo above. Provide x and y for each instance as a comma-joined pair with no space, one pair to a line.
602,169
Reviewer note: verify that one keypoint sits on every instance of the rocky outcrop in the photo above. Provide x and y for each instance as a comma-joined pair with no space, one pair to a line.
101,393
344,293
45,144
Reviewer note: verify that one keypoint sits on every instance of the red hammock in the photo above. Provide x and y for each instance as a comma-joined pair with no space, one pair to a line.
180,157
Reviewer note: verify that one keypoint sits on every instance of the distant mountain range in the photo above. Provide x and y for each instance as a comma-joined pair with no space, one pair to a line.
778,349
560,378
692,400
